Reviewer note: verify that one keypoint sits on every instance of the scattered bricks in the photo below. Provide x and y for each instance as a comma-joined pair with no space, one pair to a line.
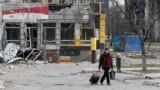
151,83
84,72
147,77
11,67
158,85
74,73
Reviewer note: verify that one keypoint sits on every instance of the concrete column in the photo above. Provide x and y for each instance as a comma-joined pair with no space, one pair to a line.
58,39
102,31
23,41
39,36
77,34
58,34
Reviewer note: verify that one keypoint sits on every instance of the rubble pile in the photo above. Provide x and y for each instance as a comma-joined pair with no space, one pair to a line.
12,54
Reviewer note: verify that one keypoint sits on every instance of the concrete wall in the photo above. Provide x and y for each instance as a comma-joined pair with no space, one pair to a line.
85,55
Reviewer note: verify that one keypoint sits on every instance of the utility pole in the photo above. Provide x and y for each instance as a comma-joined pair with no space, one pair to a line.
93,38
93,45
102,29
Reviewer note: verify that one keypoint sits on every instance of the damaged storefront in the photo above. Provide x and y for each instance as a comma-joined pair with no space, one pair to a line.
22,27
51,34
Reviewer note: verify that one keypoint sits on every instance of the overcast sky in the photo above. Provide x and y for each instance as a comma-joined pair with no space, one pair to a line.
121,2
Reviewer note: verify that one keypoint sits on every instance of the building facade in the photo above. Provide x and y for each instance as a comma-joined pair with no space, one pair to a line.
61,27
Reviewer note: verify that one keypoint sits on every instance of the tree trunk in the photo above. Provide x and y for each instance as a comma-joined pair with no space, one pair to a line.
150,43
144,64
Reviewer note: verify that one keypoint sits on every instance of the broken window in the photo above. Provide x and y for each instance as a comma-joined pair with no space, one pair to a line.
50,31
50,34
32,25
67,32
78,1
35,0
13,32
50,1
86,35
86,31
61,1
96,20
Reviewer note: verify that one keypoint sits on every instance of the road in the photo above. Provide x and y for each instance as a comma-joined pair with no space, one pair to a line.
62,77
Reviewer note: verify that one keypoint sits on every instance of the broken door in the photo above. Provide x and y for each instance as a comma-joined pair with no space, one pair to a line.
32,31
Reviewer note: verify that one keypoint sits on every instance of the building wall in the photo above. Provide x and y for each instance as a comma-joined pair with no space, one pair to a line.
60,1
19,1
85,55
53,46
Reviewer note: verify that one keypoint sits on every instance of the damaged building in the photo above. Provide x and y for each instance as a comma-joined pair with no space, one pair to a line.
61,28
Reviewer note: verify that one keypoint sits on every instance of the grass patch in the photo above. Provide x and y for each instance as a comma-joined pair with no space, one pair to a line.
139,65
150,71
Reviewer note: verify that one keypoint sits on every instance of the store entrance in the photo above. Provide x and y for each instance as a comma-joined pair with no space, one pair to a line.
32,31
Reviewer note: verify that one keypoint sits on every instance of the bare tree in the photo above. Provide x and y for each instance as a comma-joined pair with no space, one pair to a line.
143,17
117,23
135,15
153,20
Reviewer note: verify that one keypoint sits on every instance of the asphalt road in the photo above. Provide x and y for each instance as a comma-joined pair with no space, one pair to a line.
63,77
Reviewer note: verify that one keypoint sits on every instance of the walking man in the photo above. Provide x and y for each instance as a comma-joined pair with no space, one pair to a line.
105,62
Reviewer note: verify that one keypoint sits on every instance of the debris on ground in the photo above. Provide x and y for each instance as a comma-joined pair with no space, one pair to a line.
147,77
151,83
2,73
1,85
12,54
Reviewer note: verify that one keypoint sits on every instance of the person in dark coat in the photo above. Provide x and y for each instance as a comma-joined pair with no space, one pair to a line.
105,62
118,63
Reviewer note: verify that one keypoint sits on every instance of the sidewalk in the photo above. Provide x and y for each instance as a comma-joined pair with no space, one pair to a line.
143,75
68,77
128,74
139,68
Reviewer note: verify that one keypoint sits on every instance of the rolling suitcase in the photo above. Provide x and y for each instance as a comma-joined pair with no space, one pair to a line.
94,78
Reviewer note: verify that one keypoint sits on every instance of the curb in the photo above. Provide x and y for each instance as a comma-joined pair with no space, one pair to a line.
140,76
133,73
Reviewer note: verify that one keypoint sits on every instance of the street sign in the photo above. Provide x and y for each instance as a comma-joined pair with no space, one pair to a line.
69,52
